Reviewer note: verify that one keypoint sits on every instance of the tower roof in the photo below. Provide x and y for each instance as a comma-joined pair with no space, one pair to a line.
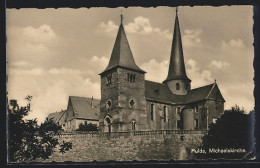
122,55
176,66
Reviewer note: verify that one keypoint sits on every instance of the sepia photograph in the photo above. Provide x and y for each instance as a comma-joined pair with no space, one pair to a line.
130,84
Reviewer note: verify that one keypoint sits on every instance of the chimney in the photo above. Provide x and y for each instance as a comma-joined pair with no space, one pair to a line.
92,102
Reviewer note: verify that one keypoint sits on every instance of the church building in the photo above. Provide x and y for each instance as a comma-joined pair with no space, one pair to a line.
131,103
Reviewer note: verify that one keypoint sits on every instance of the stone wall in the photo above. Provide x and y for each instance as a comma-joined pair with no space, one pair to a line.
88,148
120,92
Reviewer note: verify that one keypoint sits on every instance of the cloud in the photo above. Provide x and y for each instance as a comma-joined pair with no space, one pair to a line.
140,25
199,77
64,71
19,71
156,71
32,70
50,88
109,27
218,65
164,33
42,34
232,43
20,63
191,37
100,61
240,57
240,94
31,46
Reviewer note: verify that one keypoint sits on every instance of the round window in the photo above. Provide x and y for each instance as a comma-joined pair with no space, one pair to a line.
132,103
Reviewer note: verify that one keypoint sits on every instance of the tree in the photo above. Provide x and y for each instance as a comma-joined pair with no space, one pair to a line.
27,140
87,127
231,131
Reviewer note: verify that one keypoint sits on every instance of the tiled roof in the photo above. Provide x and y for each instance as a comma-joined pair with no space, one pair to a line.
122,55
55,116
153,91
198,94
215,93
82,107
162,93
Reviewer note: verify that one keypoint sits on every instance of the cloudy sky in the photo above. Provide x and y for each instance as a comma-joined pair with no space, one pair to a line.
56,53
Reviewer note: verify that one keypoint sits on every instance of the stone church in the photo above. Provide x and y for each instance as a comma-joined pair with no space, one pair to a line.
131,103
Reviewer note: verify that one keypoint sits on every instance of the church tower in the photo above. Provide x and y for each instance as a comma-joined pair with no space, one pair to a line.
122,105
177,79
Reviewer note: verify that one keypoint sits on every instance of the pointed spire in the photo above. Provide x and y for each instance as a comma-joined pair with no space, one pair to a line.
121,17
176,66
122,55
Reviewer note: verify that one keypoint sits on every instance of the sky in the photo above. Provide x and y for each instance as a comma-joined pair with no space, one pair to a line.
56,53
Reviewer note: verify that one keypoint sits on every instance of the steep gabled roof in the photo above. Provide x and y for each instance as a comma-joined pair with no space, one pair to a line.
198,94
215,93
83,109
203,93
56,116
122,55
161,93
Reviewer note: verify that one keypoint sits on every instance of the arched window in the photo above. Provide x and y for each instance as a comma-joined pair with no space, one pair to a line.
177,86
164,113
178,124
152,111
196,109
133,124
131,78
108,120
196,123
109,78
108,103
108,125
178,110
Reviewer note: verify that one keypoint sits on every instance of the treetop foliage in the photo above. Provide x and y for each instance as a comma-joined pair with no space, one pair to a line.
231,130
27,140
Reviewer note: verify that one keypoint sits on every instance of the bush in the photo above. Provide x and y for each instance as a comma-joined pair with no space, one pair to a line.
87,127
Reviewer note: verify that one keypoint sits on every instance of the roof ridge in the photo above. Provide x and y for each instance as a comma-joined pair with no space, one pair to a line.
200,87
120,44
155,82
84,97
214,84
63,112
